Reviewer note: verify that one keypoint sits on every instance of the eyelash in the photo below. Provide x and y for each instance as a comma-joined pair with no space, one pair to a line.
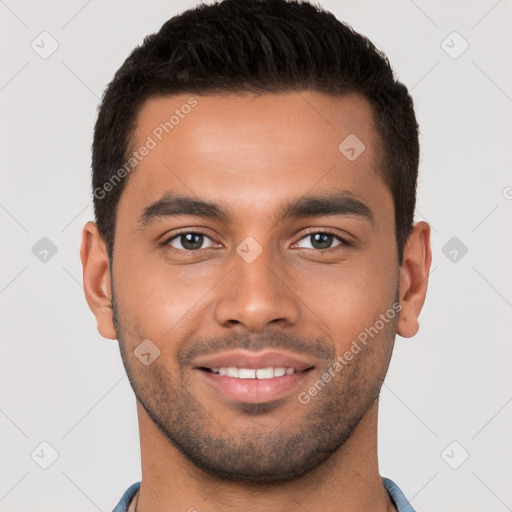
343,241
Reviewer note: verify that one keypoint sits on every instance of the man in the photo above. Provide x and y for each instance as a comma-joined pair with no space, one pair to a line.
254,254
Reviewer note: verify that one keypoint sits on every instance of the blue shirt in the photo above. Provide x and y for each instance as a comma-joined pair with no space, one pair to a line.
397,496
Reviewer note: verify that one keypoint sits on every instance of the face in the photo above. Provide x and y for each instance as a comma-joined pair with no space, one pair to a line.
248,238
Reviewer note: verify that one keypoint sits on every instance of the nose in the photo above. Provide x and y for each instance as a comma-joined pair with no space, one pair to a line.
256,294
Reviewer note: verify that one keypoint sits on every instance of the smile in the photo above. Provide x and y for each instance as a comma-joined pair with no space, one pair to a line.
252,373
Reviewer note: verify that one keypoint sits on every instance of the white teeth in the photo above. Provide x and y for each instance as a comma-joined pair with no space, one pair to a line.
232,372
265,373
249,373
246,373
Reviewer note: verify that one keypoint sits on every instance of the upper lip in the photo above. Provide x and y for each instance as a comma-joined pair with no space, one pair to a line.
254,360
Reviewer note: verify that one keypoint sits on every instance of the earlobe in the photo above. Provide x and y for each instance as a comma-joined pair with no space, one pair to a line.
96,276
414,274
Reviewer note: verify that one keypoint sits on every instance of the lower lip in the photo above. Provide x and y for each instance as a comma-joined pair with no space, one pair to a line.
254,391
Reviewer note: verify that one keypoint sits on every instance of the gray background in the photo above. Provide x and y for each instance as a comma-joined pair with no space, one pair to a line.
61,383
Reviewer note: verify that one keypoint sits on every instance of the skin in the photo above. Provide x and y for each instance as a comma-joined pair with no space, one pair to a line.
249,154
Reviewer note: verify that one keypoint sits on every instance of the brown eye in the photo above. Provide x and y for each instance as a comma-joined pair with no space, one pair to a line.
323,240
189,241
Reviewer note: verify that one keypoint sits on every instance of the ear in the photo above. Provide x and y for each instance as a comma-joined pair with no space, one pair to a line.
96,276
414,274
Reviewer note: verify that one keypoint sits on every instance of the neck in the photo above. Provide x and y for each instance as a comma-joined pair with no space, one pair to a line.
348,480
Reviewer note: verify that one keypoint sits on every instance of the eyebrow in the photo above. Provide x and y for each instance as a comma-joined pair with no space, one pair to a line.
340,203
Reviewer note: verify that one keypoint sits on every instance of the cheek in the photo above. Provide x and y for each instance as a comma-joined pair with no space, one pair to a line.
350,297
157,297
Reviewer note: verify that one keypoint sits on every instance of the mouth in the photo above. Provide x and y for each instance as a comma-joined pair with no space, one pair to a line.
249,378
254,373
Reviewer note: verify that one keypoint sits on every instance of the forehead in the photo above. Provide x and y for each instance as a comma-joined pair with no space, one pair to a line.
198,123
253,149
